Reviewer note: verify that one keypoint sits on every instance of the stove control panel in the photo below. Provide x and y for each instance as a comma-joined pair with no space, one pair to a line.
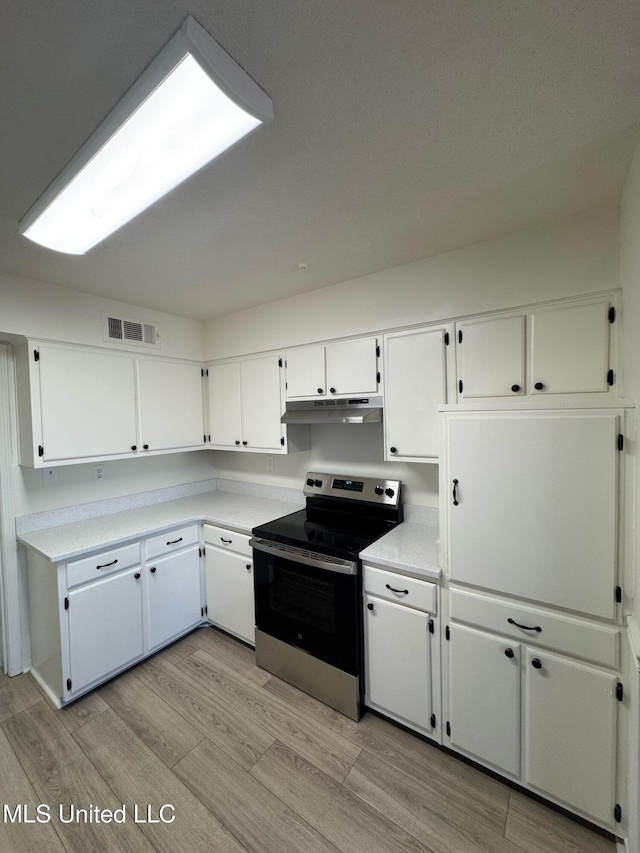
353,488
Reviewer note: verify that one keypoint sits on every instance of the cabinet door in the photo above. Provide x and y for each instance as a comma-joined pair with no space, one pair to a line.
225,427
414,387
535,506
261,404
105,627
484,697
570,349
174,595
570,733
352,367
491,357
230,599
398,662
170,405
306,373
88,403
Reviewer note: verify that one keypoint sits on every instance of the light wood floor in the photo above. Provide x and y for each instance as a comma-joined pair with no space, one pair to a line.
247,763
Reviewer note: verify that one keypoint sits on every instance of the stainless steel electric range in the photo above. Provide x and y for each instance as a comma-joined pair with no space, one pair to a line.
308,585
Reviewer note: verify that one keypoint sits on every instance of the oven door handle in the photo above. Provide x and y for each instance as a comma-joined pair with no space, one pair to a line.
307,558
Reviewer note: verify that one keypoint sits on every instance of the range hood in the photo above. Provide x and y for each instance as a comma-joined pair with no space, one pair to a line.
349,410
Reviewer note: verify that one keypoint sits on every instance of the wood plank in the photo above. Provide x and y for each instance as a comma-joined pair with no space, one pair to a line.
539,829
156,723
345,820
140,778
62,775
18,693
236,655
431,816
15,789
330,752
181,649
239,737
82,711
264,824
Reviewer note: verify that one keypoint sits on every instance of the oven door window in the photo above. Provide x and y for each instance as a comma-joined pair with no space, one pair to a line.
314,609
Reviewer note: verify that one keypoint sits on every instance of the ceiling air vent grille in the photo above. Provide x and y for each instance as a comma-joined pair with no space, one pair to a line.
131,332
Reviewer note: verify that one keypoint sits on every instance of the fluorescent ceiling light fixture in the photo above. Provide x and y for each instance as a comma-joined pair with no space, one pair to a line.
191,104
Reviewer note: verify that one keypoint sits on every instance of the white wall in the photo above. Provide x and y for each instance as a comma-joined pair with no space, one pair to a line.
566,258
38,310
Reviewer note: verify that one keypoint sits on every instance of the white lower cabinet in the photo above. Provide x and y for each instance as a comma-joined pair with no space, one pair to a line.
399,648
229,582
94,616
547,720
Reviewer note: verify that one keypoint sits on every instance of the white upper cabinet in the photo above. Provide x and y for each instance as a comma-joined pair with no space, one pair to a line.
557,349
340,369
530,507
261,402
491,357
570,350
225,417
170,405
415,385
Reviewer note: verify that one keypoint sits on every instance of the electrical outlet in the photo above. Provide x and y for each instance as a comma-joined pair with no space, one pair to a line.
270,463
98,472
49,475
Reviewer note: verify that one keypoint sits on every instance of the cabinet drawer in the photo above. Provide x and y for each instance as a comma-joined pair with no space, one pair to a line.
420,595
172,540
222,538
573,636
103,563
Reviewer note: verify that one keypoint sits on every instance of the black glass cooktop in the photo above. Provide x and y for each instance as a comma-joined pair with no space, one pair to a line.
334,534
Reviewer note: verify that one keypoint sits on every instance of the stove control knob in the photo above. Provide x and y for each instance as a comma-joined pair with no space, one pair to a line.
309,481
318,483
389,492
378,490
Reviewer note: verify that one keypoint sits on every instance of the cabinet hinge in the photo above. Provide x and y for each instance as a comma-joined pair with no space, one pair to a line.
40,450
617,813
204,551
66,604
202,371
612,314
448,729
609,377
447,633
36,355
619,691
459,336
619,594
68,684
206,608
209,437
378,351
279,362
460,386
282,441
620,441
199,552
204,438
378,377
431,626
433,721
446,339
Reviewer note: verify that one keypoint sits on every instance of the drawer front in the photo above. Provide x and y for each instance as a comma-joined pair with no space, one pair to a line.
568,634
173,540
227,540
421,595
102,563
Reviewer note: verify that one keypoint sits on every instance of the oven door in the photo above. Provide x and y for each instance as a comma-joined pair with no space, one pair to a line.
314,609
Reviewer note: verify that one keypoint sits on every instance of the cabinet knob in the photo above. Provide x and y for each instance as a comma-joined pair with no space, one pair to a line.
509,653
145,446
244,443
536,663
538,386
333,390
393,450
320,391
134,446
248,567
369,606
153,570
137,576
237,442
515,388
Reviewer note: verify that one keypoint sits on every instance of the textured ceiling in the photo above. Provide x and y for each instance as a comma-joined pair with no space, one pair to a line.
403,128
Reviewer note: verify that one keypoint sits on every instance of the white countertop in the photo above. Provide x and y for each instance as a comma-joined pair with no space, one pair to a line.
410,549
236,512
